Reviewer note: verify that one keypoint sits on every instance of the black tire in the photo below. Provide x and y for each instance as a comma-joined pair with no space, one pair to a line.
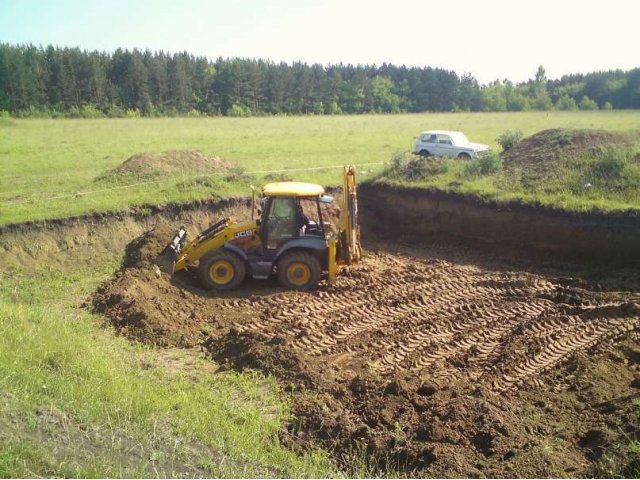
424,153
464,156
299,270
221,270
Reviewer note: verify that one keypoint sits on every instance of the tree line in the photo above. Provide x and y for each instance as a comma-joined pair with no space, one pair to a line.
54,81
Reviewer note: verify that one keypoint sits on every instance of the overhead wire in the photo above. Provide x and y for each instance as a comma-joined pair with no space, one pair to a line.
150,182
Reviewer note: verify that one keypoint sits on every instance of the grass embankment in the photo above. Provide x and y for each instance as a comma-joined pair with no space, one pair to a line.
571,169
76,401
55,168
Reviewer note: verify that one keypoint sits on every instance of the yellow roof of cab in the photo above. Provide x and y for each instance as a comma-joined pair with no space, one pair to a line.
292,189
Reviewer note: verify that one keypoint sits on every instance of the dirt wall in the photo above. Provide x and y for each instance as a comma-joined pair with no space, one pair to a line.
92,239
507,227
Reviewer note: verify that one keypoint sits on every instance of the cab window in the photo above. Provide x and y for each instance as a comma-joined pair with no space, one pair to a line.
429,138
280,224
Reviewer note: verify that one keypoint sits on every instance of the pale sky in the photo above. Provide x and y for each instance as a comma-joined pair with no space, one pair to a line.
491,39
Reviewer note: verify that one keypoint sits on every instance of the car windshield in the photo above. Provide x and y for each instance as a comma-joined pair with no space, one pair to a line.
459,138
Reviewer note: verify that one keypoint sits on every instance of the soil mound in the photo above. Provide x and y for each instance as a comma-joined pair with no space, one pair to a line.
146,165
149,306
437,368
143,250
542,151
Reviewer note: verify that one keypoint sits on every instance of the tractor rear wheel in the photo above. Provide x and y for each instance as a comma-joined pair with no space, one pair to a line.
299,271
221,270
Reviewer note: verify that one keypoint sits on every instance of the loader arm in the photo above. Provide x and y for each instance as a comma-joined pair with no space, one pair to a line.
181,252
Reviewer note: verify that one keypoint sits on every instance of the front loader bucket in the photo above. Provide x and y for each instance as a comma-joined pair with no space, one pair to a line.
167,259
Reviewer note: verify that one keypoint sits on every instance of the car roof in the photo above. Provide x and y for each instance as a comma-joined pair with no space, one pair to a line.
292,189
440,132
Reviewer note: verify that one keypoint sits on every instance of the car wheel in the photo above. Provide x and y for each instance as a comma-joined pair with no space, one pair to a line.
424,153
299,270
464,156
221,270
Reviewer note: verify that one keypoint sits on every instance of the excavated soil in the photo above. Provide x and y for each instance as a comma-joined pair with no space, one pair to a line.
540,153
550,235
436,361
144,165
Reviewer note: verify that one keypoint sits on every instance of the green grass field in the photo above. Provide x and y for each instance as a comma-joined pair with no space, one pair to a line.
48,167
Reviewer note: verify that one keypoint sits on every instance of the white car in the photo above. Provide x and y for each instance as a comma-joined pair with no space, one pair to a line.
445,143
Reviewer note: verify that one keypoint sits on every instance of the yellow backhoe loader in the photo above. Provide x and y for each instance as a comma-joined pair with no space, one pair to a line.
290,239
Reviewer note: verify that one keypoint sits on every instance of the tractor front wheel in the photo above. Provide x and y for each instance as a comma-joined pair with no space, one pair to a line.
299,271
221,270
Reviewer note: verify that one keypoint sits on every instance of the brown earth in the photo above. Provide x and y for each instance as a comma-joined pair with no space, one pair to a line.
436,360
551,235
96,238
169,162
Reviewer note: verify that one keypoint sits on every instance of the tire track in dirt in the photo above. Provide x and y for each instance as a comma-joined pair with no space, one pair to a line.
404,302
578,334
450,321
356,308
481,339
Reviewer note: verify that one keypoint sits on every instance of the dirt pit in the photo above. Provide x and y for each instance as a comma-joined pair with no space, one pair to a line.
434,361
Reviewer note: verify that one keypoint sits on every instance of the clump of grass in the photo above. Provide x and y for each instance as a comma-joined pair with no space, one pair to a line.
558,138
202,181
614,164
632,469
405,166
509,138
278,177
487,164
612,172
238,175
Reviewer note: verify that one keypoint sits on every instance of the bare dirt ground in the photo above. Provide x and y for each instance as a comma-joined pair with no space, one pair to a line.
437,361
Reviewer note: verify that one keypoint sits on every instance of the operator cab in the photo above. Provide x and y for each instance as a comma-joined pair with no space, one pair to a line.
291,210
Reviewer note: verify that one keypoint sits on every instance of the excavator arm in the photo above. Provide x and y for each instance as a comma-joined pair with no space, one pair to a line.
346,249
352,251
